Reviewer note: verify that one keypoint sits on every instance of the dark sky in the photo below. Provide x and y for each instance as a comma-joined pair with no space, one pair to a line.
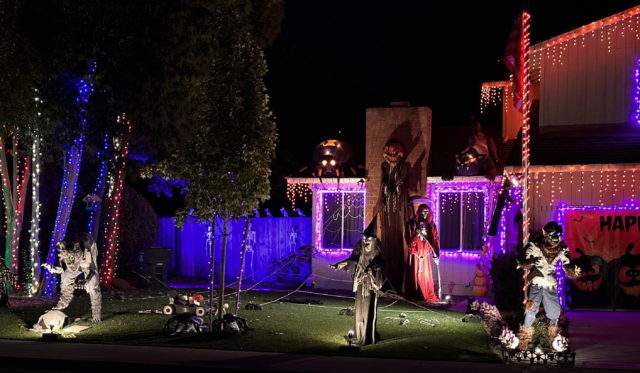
333,59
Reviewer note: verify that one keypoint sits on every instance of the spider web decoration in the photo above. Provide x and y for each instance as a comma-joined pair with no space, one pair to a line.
343,219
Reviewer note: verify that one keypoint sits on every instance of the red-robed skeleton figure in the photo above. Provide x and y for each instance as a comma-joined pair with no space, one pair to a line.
424,244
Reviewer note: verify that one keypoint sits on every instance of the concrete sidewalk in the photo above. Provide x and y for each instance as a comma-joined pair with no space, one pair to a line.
28,356
605,340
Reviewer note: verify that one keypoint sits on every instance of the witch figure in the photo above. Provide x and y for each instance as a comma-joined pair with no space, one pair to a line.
365,263
424,245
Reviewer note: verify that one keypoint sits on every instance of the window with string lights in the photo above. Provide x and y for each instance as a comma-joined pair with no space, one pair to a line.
462,213
342,218
461,220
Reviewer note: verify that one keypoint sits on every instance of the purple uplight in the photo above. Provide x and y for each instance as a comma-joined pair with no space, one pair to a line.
460,254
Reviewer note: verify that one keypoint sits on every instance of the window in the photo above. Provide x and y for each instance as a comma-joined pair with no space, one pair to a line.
461,220
342,219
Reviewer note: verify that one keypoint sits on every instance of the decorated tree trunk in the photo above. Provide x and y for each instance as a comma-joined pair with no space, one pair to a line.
212,247
71,171
14,185
67,196
114,193
223,264
34,235
94,202
243,256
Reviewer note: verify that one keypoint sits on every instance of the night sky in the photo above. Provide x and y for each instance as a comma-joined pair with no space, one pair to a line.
333,59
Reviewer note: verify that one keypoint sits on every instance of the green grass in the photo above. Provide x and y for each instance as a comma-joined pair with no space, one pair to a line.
278,327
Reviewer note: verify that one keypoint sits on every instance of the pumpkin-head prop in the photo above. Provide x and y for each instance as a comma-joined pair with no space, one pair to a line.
330,157
629,273
591,271
393,153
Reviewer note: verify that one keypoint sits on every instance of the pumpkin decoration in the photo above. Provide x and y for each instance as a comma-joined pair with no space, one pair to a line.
480,287
629,273
591,272
393,153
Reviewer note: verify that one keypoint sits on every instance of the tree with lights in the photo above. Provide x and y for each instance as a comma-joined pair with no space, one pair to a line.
116,38
22,133
226,163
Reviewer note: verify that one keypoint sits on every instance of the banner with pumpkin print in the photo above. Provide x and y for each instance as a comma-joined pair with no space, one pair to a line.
605,244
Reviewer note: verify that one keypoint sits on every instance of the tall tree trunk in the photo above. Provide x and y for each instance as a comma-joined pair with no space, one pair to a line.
212,251
34,234
114,196
70,180
14,186
98,191
243,253
65,203
8,204
223,264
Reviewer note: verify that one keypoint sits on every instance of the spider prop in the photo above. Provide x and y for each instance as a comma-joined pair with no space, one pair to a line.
183,323
348,311
332,158
253,306
231,324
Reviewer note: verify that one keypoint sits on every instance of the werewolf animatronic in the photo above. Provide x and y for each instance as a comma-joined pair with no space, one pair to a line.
76,258
541,257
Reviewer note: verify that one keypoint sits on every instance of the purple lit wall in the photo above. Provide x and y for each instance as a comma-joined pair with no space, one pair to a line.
636,94
509,230
270,240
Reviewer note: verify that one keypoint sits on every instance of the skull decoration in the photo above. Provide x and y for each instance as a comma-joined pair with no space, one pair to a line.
560,343
629,273
509,339
393,153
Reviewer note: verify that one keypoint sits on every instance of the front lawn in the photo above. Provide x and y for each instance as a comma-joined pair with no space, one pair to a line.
301,323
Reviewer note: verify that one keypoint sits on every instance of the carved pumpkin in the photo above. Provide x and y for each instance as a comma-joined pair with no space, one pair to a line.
393,153
629,273
591,272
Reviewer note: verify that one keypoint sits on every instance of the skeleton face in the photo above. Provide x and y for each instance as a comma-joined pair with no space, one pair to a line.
424,212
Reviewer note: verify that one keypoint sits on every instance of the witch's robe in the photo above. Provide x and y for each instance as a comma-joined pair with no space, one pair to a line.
368,278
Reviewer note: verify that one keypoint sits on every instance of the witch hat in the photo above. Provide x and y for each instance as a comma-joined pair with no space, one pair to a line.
370,231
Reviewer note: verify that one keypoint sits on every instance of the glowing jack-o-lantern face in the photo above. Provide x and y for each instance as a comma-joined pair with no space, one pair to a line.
629,273
393,153
590,278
